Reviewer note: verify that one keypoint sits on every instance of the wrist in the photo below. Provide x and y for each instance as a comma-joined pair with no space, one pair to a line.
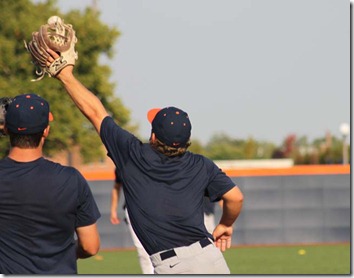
65,74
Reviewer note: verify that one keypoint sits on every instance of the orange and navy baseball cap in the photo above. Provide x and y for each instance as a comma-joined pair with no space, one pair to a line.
28,114
171,126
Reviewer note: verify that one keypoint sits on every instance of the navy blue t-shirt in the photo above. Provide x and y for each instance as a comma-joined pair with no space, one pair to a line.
164,195
41,204
209,207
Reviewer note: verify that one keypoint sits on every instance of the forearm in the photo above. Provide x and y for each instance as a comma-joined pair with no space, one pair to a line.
232,203
230,212
85,100
114,200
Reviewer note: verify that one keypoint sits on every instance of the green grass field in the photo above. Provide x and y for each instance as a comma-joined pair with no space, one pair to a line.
301,259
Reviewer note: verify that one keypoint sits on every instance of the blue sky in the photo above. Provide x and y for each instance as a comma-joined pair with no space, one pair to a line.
245,68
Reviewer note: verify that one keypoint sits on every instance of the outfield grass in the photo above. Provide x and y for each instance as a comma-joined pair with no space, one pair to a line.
317,259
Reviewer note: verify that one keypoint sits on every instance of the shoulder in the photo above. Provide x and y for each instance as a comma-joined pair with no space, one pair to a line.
200,159
110,130
109,123
117,139
3,161
60,169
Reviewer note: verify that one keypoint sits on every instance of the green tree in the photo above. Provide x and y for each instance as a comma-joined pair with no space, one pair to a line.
18,19
265,149
250,149
333,153
221,147
196,147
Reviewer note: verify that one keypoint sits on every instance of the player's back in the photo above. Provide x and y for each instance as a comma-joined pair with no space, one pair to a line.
38,202
165,196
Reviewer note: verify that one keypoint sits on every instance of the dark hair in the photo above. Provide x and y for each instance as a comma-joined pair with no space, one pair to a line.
167,150
25,141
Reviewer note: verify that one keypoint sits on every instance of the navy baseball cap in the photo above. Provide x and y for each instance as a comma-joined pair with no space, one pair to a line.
171,126
28,114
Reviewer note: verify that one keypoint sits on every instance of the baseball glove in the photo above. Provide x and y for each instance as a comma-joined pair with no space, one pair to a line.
4,103
58,37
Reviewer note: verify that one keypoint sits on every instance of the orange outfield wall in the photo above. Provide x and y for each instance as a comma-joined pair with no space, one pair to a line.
288,171
291,171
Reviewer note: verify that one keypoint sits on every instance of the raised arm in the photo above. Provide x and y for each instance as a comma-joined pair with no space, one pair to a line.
84,99
232,205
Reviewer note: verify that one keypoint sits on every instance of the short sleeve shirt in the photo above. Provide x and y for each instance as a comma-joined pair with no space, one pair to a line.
41,205
209,207
164,195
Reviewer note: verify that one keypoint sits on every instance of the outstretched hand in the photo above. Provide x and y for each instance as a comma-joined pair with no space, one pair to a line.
222,236
52,57
59,37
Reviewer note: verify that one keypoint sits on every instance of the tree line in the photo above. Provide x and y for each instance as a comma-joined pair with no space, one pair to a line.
325,150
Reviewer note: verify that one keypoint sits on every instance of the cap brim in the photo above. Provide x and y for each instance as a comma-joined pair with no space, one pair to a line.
152,113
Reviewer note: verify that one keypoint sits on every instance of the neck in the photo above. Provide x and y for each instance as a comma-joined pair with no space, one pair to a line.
25,155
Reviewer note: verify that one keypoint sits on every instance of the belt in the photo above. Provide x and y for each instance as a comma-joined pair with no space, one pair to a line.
171,253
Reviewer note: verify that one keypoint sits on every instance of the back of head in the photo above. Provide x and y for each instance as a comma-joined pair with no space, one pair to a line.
27,115
172,129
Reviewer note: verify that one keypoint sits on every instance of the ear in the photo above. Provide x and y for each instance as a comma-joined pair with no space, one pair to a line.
46,131
152,137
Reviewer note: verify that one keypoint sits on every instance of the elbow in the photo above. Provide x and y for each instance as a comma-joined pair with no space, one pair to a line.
239,198
88,251
92,251
234,196
93,248
88,243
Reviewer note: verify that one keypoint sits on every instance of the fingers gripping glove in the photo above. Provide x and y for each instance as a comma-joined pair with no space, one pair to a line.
58,37
4,103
